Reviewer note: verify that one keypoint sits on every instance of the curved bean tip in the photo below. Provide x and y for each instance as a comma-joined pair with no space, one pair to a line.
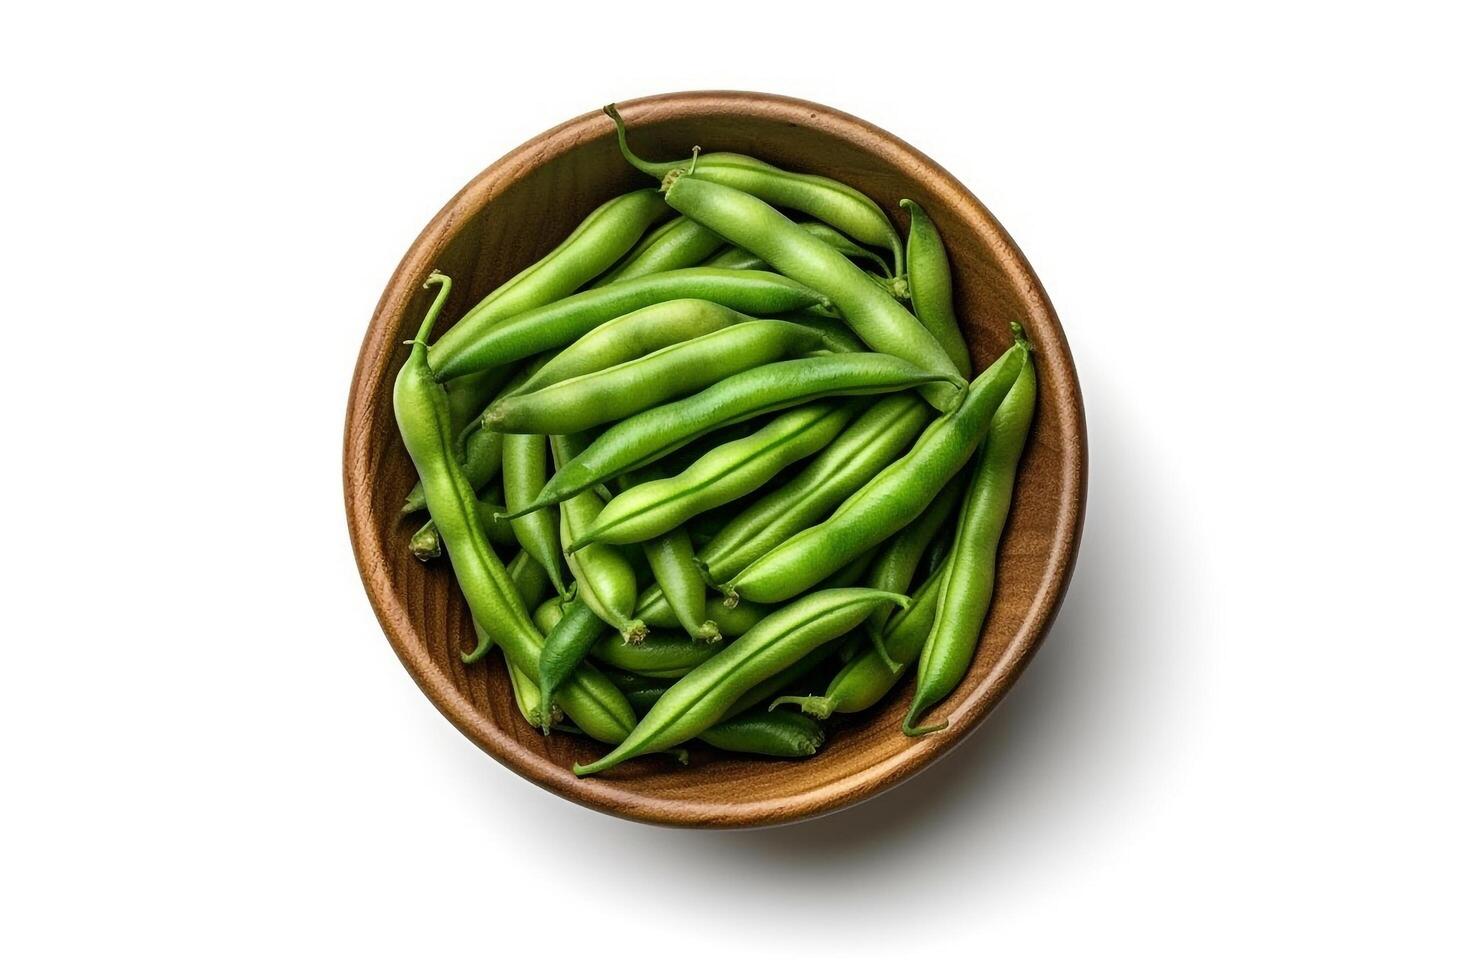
611,111
425,544
818,706
1018,332
492,417
910,730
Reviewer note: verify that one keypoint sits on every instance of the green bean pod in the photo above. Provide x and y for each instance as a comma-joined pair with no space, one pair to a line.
645,693
868,677
784,680
735,257
725,473
605,580
845,208
599,241
469,396
659,431
869,309
896,562
846,246
782,734
634,335
476,346
523,476
482,459
422,411
594,246
878,437
479,450
786,735
523,689
659,657
656,611
530,583
680,583
849,574
677,244
623,390
425,544
701,697
571,628
931,290
969,581
889,502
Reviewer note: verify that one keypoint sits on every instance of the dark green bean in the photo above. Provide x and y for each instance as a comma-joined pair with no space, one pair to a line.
659,431
617,392
783,734
645,694
469,396
725,473
677,244
969,582
571,628
701,697
930,287
869,309
474,346
889,502
878,437
605,580
422,411
633,335
524,474
659,657
844,208
868,677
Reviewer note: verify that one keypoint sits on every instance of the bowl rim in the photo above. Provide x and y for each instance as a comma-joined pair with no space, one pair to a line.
607,795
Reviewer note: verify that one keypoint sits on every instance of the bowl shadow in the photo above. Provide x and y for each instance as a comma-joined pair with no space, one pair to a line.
1066,750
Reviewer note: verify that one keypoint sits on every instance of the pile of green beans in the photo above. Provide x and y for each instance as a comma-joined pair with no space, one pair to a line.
720,467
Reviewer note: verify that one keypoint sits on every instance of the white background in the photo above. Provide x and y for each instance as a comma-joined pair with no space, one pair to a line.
1240,753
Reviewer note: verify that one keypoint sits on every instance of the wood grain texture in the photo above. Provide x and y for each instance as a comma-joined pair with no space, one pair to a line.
524,204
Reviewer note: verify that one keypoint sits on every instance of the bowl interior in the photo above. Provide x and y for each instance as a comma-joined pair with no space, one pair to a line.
517,210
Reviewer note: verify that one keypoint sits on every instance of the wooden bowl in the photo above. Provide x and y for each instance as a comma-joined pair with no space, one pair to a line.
515,211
